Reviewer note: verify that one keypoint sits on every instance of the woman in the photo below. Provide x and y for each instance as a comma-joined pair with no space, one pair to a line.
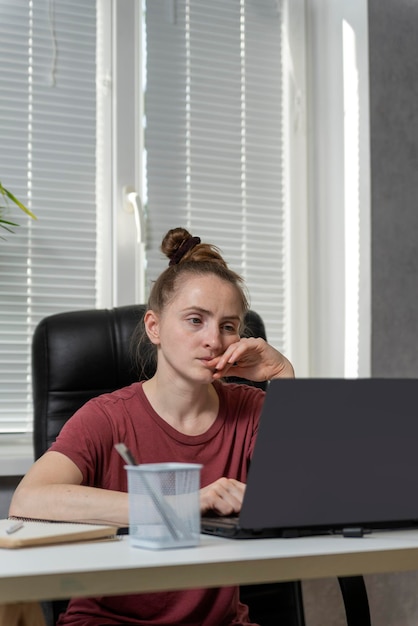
183,413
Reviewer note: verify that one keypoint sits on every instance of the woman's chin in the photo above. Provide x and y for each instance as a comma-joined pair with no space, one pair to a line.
207,374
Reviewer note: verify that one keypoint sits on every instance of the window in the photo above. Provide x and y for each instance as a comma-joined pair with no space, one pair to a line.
224,110
216,140
47,159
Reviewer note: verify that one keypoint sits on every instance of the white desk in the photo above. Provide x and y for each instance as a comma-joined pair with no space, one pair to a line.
109,568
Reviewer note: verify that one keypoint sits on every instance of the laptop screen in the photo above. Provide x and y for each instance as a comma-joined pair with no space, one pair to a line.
332,453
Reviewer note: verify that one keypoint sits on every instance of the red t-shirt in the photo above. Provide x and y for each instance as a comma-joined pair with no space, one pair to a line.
225,449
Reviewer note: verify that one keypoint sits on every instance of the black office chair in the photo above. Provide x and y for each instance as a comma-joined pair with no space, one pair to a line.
81,354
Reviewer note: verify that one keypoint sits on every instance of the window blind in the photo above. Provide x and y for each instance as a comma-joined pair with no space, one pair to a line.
47,159
214,139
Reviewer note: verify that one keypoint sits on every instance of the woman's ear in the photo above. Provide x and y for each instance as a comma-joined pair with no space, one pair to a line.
152,327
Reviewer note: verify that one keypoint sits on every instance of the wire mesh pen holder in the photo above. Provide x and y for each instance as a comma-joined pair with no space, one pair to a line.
164,506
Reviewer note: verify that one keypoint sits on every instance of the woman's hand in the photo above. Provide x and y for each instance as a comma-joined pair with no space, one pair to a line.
253,359
223,497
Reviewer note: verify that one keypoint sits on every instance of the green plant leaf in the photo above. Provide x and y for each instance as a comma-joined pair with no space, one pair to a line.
5,225
2,222
10,196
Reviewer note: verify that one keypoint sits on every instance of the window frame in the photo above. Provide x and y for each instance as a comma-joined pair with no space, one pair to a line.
329,241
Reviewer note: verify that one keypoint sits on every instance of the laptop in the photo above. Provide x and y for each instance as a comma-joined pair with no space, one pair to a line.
331,456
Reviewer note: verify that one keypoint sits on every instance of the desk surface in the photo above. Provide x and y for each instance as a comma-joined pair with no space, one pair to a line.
110,568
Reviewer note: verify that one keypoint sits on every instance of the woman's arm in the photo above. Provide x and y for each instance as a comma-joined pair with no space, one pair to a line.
52,490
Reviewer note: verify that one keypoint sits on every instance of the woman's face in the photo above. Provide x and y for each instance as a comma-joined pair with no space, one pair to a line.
200,322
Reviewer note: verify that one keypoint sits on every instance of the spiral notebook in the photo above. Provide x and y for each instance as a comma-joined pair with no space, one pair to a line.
331,456
23,533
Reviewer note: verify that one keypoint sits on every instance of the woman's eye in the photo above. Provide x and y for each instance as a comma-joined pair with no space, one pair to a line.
230,328
195,320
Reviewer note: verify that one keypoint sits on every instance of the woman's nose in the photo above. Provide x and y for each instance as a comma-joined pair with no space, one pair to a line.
213,337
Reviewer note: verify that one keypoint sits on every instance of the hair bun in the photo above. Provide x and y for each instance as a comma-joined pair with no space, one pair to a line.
179,246
173,240
185,246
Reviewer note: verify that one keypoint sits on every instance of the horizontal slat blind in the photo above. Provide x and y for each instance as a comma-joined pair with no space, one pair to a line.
214,139
47,159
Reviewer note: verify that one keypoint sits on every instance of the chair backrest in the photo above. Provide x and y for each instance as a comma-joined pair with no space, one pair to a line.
81,354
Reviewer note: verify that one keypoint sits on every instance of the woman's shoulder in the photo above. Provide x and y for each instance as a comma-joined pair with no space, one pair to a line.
102,412
109,406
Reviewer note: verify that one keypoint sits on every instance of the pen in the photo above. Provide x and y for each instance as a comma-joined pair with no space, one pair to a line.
14,527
